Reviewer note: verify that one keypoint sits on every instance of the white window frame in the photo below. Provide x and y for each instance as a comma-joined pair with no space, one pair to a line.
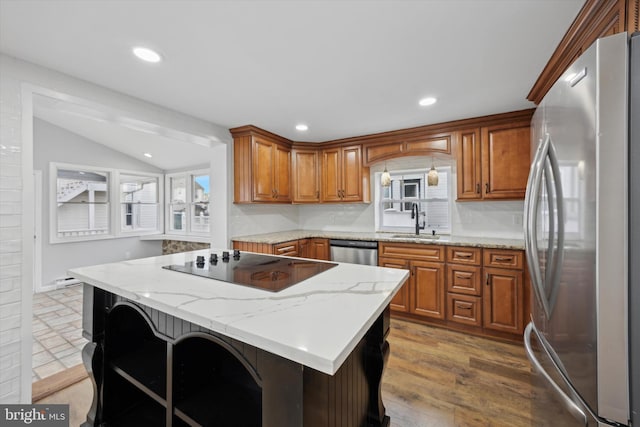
121,231
114,204
189,203
378,202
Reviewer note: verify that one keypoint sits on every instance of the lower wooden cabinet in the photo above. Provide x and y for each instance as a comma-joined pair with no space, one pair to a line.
316,248
476,290
400,302
503,300
427,289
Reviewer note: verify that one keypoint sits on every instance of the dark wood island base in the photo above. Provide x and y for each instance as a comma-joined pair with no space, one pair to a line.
152,369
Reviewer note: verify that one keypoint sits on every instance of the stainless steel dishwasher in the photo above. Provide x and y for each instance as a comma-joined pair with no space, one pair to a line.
354,251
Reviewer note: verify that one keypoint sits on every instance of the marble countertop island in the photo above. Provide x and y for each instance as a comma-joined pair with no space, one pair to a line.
317,322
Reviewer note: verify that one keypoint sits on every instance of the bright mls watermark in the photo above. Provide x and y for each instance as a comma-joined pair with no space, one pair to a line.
34,415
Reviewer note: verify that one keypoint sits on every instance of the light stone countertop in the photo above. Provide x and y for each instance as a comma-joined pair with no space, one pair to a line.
317,322
479,242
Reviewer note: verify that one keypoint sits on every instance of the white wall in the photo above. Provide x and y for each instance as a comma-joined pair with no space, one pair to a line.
54,144
18,81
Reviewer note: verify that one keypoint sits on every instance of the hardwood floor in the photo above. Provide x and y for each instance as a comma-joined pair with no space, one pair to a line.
434,378
437,377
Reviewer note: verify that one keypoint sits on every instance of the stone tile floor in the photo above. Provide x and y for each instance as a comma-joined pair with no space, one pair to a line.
57,331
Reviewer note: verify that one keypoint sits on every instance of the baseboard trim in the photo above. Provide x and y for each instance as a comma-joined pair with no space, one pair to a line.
56,382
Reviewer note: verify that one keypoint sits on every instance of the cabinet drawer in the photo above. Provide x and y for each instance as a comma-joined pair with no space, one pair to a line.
464,279
503,258
464,309
464,255
286,248
411,251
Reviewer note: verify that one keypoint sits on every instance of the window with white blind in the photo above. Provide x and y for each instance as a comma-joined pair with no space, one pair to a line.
394,203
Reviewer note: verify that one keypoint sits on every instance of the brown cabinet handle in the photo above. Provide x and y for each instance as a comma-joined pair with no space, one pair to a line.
285,249
317,194
504,258
486,187
487,279
459,255
462,307
478,188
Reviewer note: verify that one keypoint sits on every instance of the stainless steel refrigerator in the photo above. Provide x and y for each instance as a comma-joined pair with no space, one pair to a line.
581,242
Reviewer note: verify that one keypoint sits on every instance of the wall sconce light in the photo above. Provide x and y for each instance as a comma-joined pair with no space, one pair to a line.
385,178
432,176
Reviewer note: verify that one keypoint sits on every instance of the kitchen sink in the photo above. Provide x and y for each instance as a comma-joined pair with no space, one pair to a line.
416,237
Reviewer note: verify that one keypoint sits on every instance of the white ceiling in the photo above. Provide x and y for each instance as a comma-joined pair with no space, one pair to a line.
345,68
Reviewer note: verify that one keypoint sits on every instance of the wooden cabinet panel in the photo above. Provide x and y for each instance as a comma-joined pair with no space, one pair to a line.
261,248
468,164
400,301
424,145
352,174
306,176
262,169
503,300
331,175
464,279
411,251
282,173
503,258
464,255
319,249
464,309
343,177
493,162
427,289
287,248
505,161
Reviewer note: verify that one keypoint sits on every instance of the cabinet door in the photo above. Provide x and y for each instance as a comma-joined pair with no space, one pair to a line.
331,175
319,249
262,168
400,301
505,161
352,174
502,299
428,290
281,173
306,176
468,164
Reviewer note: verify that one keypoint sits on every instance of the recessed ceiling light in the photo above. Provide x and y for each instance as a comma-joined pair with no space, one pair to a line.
427,101
302,127
147,54
149,155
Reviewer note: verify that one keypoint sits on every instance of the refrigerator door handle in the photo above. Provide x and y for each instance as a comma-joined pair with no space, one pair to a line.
553,280
571,406
530,227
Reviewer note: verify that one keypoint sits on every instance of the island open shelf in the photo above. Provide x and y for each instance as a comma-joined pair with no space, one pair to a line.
151,368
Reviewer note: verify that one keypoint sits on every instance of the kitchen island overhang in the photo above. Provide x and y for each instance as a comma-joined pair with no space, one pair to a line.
329,323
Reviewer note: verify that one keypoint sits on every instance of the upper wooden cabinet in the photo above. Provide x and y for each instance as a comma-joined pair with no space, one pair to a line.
343,177
262,168
493,161
306,176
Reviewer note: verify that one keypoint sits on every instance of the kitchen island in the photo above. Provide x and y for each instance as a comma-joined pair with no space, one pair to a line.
182,350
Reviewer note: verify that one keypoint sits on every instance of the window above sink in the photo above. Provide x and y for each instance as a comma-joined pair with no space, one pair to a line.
393,203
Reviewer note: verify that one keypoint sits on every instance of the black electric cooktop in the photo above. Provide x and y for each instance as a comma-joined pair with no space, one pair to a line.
268,272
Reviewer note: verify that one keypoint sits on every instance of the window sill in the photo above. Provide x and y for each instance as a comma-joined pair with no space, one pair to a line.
178,237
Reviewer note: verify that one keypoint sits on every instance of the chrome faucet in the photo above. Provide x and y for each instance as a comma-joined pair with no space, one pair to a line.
415,214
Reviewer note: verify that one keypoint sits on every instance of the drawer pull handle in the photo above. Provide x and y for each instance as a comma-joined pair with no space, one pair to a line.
504,258
461,307
487,279
463,255
288,248
463,276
